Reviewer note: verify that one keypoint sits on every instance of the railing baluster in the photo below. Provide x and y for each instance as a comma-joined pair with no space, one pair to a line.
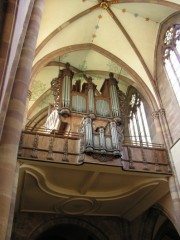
51,145
157,169
137,156
131,166
144,159
35,146
65,150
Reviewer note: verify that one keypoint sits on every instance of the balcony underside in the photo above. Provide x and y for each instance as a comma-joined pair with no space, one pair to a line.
123,187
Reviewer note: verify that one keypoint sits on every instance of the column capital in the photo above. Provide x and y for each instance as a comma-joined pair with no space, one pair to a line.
155,114
160,112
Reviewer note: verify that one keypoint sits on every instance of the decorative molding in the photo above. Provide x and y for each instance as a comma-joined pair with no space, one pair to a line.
158,113
155,114
76,206
103,157
50,151
162,112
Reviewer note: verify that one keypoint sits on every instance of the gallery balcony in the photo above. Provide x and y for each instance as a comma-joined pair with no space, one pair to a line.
56,177
65,148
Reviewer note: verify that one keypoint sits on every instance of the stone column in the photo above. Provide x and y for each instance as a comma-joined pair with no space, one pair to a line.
11,53
15,116
12,206
7,27
29,93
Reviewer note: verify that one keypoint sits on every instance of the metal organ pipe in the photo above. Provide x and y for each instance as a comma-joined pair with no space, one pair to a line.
102,139
63,93
114,101
88,134
66,92
114,135
91,100
101,135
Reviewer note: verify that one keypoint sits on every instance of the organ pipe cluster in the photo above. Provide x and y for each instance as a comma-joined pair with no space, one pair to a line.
100,110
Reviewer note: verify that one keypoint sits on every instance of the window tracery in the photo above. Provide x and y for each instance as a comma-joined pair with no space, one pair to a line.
138,126
171,57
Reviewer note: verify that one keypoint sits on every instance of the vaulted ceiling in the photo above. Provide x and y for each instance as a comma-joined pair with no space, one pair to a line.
97,37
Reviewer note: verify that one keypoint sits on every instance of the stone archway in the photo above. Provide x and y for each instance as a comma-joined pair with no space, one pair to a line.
67,229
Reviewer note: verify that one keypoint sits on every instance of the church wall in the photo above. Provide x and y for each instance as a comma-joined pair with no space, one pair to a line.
172,114
169,101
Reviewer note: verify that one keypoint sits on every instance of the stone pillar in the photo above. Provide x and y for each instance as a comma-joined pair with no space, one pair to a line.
12,207
8,45
15,116
29,93
7,28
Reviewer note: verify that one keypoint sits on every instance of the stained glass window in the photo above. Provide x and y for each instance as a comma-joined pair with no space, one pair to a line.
138,125
172,58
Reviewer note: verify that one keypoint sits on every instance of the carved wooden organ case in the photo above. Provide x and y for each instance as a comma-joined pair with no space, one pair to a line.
95,117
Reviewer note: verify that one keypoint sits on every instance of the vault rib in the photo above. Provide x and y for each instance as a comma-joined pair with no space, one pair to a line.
111,13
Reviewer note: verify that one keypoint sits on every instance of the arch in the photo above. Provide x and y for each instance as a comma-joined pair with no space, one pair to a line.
141,85
167,96
156,224
160,37
62,221
160,2
168,231
38,119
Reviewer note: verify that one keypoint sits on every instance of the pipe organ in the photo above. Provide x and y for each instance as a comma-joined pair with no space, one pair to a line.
96,117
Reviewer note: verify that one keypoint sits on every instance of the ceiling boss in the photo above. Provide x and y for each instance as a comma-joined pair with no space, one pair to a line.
105,4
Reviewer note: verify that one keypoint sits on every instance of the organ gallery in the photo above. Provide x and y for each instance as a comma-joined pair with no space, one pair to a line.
98,116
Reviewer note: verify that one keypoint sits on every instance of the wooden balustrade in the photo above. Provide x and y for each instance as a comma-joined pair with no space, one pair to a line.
57,148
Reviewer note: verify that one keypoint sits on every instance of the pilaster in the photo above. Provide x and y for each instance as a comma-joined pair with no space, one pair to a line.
15,118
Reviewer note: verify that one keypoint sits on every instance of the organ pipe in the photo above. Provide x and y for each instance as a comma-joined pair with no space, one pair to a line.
114,101
88,134
102,139
114,137
91,100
